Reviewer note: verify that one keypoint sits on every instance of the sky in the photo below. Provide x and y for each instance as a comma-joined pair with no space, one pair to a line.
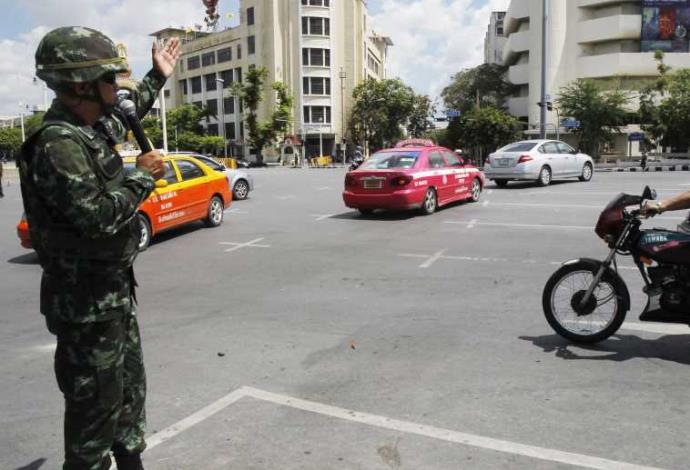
433,39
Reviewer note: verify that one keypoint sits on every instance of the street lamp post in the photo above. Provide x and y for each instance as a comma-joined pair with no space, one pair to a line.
542,115
45,93
343,76
320,121
221,113
21,119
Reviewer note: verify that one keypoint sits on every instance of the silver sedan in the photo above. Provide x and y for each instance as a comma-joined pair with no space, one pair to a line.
240,181
537,160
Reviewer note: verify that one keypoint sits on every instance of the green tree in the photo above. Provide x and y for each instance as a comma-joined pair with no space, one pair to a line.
264,133
482,130
419,121
10,141
600,113
33,122
152,128
381,108
665,107
484,85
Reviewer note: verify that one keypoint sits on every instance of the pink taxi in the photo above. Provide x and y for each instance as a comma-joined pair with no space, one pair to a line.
416,174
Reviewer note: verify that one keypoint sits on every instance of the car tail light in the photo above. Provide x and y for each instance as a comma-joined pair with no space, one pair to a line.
525,159
488,160
400,181
350,181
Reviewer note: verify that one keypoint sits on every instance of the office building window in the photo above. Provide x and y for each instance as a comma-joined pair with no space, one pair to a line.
317,114
196,85
212,106
230,130
208,58
315,25
225,54
229,105
212,129
210,81
251,45
226,76
316,3
239,51
316,57
316,86
193,63
250,16
198,104
166,93
183,86
238,74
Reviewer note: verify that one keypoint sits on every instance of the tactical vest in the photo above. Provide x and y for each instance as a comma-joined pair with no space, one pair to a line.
61,240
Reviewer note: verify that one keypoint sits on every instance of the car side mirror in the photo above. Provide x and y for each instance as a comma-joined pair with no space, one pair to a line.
161,183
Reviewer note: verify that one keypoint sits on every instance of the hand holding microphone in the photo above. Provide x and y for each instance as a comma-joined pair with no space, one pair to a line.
150,160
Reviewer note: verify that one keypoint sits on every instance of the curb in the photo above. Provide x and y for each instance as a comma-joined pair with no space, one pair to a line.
651,168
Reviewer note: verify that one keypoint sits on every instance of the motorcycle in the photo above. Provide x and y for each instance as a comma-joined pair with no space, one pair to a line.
357,160
586,300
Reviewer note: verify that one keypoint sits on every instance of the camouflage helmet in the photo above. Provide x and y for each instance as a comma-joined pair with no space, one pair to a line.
75,54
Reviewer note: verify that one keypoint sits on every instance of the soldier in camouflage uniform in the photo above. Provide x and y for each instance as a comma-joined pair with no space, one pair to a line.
81,208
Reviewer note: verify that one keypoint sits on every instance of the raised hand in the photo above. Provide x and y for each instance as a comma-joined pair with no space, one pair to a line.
165,57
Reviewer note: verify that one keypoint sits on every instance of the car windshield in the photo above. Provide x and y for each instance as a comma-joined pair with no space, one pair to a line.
386,160
518,147
211,162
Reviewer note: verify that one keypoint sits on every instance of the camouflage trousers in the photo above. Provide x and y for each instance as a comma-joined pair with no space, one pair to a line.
100,371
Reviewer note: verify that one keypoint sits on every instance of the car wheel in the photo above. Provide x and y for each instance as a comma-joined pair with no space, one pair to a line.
544,176
430,202
476,191
215,212
241,190
586,172
144,232
501,183
365,211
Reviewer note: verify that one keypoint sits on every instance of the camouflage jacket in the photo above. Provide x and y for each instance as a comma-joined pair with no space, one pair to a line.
81,209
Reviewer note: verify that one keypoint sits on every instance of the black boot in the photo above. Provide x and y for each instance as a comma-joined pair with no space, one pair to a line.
128,462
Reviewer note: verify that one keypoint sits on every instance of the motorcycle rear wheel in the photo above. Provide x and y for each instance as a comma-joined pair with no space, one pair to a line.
595,321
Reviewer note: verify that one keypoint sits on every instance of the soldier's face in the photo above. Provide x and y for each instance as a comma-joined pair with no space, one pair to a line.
107,87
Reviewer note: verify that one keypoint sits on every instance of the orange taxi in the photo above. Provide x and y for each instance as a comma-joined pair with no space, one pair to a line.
189,191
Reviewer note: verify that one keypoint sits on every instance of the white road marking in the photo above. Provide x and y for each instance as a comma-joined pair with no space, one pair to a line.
383,422
487,259
324,188
526,204
660,328
501,224
472,223
430,259
490,192
235,211
251,244
319,217
45,348
285,198
485,203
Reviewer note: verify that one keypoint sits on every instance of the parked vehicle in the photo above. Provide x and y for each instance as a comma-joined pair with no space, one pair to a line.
537,160
414,174
586,300
241,182
189,191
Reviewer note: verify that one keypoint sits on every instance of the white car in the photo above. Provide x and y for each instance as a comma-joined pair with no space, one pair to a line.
240,181
537,160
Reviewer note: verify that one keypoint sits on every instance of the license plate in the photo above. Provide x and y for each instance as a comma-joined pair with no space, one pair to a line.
376,183
504,162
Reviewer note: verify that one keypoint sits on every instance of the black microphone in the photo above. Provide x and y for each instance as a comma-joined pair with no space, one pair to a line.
129,109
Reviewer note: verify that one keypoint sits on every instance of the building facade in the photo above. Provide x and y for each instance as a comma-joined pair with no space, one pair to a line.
495,39
321,49
600,40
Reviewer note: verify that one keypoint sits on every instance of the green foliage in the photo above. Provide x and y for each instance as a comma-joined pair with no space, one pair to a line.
665,107
600,113
419,120
10,141
187,118
380,108
483,130
152,128
485,83
33,122
264,133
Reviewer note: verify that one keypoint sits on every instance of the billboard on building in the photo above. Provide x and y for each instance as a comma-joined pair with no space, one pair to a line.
665,25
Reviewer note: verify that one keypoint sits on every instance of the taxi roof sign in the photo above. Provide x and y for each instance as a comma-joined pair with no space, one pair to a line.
415,143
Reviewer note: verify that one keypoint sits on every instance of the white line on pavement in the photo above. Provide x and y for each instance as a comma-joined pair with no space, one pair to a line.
435,257
472,223
383,422
485,203
251,244
497,224
526,204
285,198
324,188
319,217
45,348
490,192
660,328
235,211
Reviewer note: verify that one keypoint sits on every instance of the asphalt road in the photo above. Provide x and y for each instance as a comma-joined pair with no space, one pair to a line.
300,335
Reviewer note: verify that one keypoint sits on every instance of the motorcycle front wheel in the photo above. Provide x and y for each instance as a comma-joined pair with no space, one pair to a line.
598,318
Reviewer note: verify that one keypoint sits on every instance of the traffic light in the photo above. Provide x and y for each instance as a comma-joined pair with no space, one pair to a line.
549,105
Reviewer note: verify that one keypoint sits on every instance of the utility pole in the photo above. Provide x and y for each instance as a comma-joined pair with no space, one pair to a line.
164,122
221,114
542,113
343,76
21,119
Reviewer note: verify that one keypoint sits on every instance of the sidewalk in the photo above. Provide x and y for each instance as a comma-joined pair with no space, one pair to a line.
633,166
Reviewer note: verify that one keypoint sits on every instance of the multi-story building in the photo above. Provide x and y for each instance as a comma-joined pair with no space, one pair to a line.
320,48
495,39
609,41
